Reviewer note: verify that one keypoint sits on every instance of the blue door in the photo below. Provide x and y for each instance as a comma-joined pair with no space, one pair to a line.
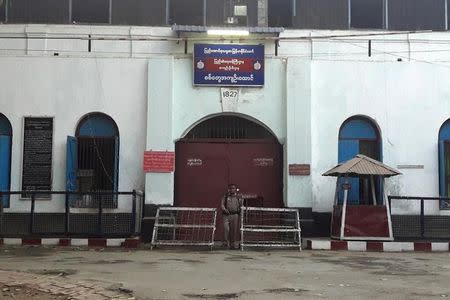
5,167
358,135
71,167
347,150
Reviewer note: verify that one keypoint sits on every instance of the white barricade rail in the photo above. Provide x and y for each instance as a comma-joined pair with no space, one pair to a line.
270,227
184,226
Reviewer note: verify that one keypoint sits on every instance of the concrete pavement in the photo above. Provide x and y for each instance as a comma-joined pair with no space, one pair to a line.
193,274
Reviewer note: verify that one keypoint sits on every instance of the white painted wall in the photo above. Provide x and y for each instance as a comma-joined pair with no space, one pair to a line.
408,100
67,89
189,105
317,81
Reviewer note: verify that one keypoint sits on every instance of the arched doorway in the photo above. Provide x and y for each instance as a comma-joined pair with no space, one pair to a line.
228,149
359,135
444,163
5,158
93,155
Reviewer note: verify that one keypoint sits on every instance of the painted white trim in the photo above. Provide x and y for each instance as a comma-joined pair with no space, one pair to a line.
114,242
388,212
392,247
320,245
50,242
407,246
439,247
12,241
344,209
79,242
356,246
366,238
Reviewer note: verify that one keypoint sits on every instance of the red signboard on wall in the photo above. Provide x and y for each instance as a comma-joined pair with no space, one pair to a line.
299,169
159,161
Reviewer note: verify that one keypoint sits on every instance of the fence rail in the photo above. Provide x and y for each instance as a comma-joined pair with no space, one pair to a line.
32,214
412,223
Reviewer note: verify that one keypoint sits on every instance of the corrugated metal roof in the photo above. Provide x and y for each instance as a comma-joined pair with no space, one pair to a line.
256,30
362,165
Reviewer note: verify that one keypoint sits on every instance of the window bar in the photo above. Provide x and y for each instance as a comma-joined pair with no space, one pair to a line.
204,12
6,10
446,14
167,11
349,18
70,12
110,12
386,14
294,8
33,202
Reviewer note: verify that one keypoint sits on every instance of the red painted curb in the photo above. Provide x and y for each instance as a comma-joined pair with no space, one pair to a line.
422,247
375,246
64,242
339,245
96,242
34,242
131,243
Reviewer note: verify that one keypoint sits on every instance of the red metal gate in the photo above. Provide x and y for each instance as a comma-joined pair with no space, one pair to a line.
203,170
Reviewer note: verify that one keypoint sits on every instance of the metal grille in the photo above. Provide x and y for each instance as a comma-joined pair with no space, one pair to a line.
228,127
96,157
93,200
138,12
57,218
38,11
321,14
416,14
270,227
184,226
415,224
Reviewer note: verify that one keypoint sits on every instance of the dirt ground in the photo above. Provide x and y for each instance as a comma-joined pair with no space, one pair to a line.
24,293
220,274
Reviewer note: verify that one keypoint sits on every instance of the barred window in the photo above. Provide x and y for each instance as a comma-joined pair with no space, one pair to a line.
280,13
37,11
139,12
321,14
90,11
416,14
367,14
186,12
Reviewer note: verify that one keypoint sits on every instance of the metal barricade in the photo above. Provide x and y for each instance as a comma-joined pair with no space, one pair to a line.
184,226
270,227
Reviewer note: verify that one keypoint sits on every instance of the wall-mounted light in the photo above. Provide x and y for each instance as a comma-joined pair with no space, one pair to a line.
228,32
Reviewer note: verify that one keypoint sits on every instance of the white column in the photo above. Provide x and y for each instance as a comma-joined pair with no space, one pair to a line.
298,189
159,186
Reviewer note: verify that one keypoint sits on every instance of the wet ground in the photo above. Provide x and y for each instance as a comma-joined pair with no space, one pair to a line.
194,274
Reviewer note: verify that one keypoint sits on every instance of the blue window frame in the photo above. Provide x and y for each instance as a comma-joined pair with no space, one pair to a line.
444,163
92,160
5,158
358,135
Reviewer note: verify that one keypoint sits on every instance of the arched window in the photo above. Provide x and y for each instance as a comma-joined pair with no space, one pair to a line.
358,135
93,155
228,127
5,158
444,163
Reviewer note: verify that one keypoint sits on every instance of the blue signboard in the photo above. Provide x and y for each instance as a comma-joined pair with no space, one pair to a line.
228,65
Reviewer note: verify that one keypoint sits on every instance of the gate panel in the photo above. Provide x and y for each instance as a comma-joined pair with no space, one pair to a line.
204,170
257,170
